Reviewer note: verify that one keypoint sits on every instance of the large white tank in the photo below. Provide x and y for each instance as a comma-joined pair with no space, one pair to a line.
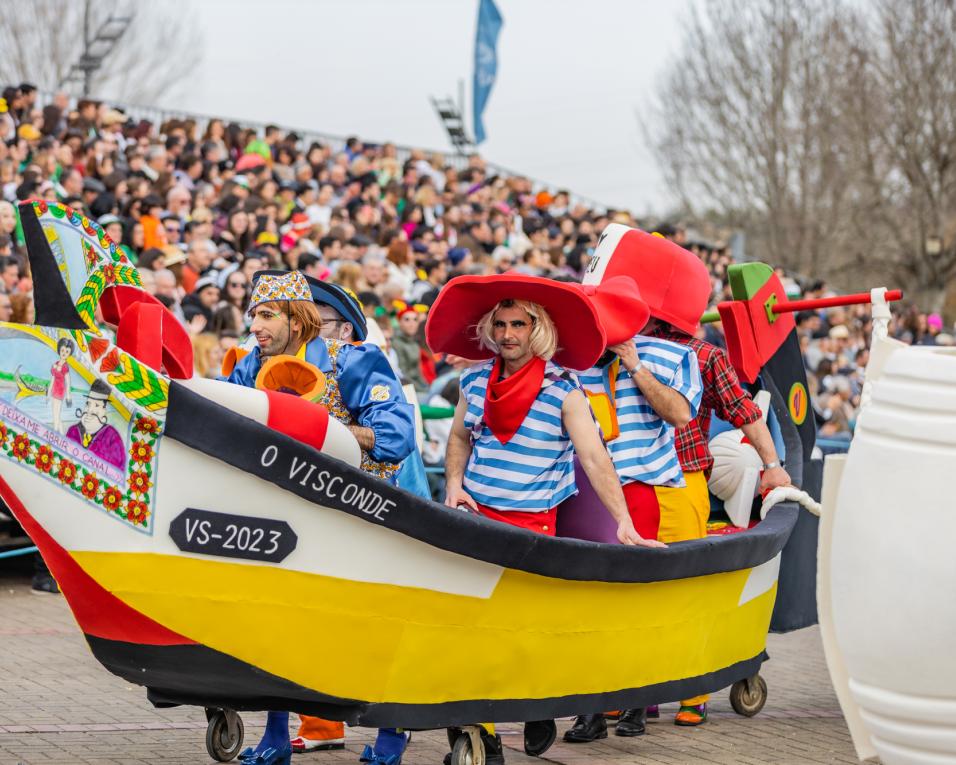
892,563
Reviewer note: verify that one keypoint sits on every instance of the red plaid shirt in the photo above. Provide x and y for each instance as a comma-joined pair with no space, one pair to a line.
722,394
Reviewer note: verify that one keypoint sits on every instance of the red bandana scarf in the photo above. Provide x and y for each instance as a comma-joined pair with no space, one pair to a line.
508,401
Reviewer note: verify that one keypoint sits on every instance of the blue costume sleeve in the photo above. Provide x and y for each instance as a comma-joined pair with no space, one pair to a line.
687,380
371,393
245,371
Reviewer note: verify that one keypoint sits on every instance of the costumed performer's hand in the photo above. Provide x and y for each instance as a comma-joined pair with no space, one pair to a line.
627,535
771,479
627,352
456,496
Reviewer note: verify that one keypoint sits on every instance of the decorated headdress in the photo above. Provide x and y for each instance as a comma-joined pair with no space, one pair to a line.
278,287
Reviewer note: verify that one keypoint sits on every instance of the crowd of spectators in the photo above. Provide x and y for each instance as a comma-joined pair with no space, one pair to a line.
200,207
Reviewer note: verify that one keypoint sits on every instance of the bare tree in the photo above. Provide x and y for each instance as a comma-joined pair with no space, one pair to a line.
902,104
41,39
826,129
745,124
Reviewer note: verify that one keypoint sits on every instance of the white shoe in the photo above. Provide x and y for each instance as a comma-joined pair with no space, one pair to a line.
301,744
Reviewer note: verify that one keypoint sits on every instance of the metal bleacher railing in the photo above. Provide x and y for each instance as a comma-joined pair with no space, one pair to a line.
157,115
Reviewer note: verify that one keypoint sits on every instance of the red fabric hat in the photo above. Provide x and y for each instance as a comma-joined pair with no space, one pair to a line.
618,303
673,281
249,162
453,318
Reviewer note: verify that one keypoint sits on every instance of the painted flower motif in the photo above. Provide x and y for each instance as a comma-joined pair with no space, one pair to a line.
21,447
45,457
141,452
137,512
147,425
109,273
112,498
139,482
3,434
67,472
90,486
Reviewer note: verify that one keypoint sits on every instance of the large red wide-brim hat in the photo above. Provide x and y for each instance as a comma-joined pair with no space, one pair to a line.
620,307
454,316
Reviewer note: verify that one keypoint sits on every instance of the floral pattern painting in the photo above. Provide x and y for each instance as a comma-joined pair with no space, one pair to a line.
104,448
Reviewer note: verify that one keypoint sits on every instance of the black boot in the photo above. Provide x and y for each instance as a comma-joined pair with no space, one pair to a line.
494,753
43,581
538,737
587,728
632,722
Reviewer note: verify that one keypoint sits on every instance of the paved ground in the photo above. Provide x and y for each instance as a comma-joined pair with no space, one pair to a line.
57,705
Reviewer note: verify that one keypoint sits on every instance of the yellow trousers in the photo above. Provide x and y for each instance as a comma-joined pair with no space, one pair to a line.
684,514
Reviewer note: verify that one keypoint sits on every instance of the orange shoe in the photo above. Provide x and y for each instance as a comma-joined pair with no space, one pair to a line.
691,716
316,734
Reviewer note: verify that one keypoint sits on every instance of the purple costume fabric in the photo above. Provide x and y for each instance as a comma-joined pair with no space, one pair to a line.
107,444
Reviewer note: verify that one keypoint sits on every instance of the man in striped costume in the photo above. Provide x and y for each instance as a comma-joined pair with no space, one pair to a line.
518,423
647,388
642,390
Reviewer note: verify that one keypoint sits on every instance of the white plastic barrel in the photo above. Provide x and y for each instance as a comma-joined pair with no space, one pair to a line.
893,560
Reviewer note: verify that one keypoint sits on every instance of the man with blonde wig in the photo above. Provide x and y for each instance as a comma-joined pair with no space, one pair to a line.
521,416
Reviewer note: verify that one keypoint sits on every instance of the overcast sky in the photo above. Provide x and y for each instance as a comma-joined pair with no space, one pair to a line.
572,77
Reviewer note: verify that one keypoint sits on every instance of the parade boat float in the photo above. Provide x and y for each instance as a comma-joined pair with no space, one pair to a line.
213,540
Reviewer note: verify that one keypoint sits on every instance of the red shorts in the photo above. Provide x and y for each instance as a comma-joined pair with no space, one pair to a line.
641,499
540,523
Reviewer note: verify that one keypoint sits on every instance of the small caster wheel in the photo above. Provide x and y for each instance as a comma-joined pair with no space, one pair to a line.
224,734
462,752
748,696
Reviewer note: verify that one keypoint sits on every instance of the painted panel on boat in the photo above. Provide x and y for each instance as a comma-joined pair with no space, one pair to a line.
78,429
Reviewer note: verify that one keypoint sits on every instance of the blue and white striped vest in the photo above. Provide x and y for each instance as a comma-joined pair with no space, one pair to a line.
645,449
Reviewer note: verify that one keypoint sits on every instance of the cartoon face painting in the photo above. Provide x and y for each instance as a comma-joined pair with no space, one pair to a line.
93,432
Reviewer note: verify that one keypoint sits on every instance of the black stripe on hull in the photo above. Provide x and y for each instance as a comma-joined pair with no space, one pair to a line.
242,443
218,680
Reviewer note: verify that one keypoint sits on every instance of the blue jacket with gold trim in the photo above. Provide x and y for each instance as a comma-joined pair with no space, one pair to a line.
364,377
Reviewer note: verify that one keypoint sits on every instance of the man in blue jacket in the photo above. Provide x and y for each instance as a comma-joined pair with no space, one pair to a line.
362,392
361,389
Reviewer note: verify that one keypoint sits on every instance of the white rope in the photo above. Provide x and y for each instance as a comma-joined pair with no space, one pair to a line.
788,494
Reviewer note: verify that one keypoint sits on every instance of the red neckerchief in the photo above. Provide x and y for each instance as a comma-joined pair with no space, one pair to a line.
508,401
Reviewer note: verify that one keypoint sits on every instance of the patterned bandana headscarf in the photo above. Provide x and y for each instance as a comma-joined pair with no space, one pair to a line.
276,288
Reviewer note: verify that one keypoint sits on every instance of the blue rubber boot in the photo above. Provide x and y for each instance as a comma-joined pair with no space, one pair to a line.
389,748
275,747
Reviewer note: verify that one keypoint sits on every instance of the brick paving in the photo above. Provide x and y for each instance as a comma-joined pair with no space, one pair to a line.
58,706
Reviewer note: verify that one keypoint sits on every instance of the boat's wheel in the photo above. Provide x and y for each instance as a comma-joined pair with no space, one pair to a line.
224,734
467,748
748,696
